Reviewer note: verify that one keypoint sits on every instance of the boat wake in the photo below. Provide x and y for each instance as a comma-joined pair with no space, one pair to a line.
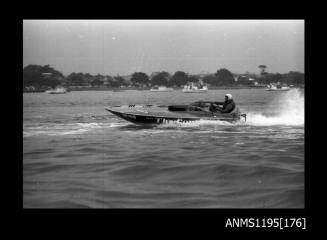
289,108
65,129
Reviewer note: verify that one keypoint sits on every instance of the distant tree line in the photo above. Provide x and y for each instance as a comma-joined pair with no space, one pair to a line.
47,77
41,76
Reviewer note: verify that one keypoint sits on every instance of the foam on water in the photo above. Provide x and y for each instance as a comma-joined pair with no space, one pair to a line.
65,129
291,111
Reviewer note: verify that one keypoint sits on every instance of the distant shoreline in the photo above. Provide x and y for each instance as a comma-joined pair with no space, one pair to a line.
148,88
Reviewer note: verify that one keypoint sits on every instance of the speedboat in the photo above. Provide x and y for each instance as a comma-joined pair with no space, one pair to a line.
59,90
151,114
194,89
273,87
161,89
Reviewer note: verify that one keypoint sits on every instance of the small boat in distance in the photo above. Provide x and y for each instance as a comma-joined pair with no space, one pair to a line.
277,87
58,90
161,89
192,88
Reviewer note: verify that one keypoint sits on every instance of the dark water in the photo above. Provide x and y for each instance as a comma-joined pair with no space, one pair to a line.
75,154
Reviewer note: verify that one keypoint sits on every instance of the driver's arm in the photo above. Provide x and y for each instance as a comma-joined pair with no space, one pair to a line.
216,104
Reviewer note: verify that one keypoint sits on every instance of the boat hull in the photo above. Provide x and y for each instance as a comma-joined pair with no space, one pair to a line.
195,89
147,117
161,89
57,91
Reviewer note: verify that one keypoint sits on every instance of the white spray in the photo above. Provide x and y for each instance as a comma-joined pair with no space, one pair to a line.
290,108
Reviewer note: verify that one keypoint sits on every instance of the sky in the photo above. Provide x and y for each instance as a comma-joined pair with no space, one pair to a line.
122,47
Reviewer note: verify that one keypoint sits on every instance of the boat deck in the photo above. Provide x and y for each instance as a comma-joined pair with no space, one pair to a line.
163,112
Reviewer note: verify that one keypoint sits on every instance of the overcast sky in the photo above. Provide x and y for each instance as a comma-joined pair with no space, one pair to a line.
195,46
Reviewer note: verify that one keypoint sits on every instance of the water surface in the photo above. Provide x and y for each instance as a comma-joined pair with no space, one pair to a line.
76,154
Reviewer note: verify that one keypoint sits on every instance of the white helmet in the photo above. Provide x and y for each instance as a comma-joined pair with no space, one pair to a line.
229,96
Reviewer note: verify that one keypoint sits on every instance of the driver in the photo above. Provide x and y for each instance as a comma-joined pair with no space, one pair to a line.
227,107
